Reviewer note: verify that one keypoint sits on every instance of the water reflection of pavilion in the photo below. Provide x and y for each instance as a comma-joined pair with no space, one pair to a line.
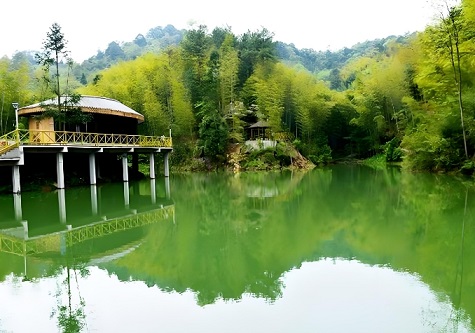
55,222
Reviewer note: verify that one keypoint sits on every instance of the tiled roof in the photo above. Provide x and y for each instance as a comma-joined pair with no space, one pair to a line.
94,104
260,124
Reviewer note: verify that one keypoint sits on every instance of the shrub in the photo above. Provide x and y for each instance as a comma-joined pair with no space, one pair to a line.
392,151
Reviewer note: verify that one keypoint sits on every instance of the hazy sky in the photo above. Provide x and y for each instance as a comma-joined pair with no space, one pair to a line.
90,25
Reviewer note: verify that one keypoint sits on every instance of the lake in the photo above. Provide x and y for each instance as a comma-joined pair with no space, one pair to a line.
344,248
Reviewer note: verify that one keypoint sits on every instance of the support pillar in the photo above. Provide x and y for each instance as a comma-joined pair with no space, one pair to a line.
17,206
94,207
62,205
167,172
167,187
152,166
98,168
126,195
92,169
59,171
153,191
125,168
25,229
16,179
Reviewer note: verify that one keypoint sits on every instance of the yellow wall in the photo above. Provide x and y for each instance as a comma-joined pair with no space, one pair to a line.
42,130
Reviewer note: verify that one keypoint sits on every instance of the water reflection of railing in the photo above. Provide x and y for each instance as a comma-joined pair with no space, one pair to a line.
92,231
63,239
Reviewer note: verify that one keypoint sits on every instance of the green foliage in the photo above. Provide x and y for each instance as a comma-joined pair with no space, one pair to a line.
262,159
54,51
323,155
213,134
69,113
208,87
468,167
254,48
392,151
15,83
319,153
156,40
430,151
376,162
328,61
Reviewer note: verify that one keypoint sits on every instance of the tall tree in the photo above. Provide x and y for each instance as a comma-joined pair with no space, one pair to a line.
452,26
56,54
254,48
54,51
442,44
196,47
15,81
228,71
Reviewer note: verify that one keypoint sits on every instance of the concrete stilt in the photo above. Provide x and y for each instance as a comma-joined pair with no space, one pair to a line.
152,166
59,171
125,168
17,206
126,195
98,168
153,191
25,229
92,169
94,207
167,172
62,205
16,179
167,187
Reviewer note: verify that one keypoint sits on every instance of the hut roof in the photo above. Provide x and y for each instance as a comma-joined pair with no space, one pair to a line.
93,104
260,124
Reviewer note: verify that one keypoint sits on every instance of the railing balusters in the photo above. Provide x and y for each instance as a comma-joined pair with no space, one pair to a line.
13,139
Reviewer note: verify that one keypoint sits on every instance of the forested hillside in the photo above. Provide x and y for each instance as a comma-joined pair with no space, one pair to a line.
408,98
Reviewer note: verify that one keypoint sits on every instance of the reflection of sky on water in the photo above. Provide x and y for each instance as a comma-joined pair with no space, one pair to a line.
324,296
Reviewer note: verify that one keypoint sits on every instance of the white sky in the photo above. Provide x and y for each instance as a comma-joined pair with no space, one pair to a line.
90,25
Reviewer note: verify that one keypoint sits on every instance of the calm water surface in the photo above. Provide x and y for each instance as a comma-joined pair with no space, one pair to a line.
341,249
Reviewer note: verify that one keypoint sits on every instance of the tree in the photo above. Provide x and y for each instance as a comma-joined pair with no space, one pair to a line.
15,86
195,51
54,50
452,26
140,40
228,70
213,134
254,48
55,54
114,52
441,71
83,79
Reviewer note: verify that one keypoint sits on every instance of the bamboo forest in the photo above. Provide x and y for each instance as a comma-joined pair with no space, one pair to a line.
199,180
408,99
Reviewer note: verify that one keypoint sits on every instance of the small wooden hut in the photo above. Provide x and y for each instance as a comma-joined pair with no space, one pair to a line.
108,116
259,130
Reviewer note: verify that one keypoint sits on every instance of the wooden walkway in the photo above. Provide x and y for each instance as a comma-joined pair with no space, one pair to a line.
14,145
17,138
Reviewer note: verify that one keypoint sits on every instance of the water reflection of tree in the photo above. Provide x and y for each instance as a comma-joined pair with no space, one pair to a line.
458,316
218,248
70,315
224,245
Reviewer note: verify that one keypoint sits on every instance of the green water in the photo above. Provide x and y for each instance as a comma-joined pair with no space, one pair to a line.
341,249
